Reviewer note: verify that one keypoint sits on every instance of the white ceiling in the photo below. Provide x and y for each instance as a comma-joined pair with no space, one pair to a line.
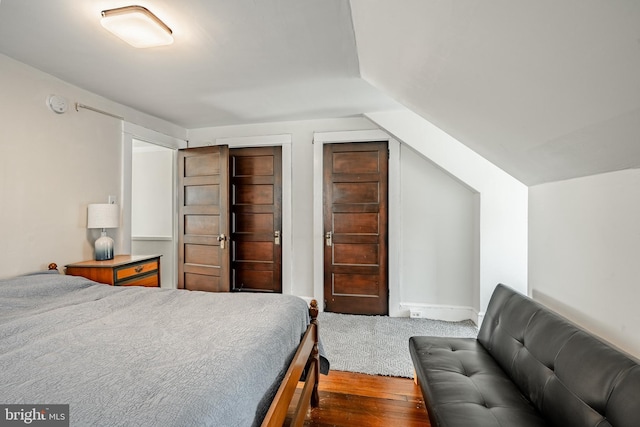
232,62
545,89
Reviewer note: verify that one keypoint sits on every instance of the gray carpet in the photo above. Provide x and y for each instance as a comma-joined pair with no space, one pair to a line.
379,345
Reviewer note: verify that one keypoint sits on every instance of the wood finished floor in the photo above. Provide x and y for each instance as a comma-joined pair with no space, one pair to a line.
350,399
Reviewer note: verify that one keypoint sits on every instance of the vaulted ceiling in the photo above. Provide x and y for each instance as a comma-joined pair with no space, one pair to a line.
545,89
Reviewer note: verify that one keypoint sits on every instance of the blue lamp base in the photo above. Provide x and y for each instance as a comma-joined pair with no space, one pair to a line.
104,247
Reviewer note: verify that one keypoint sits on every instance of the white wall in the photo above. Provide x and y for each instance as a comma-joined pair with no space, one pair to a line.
439,237
502,253
53,165
152,209
584,247
152,191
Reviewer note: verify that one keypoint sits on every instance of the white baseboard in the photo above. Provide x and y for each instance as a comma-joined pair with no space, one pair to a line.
450,313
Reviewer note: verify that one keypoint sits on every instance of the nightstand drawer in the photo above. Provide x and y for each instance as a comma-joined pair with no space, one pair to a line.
136,270
150,280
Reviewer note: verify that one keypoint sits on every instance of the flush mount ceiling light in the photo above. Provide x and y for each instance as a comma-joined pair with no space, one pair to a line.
137,26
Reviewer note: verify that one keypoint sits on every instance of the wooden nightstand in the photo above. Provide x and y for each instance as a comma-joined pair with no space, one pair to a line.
122,270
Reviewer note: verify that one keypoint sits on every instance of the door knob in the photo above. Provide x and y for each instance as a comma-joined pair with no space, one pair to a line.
222,238
276,237
328,238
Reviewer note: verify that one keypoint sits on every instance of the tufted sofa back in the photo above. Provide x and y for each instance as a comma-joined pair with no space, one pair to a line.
570,376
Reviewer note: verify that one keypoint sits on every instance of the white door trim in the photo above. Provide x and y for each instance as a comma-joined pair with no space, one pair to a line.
394,219
131,131
283,140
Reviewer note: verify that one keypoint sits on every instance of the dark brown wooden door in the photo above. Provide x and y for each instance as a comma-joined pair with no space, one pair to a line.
203,186
256,219
355,226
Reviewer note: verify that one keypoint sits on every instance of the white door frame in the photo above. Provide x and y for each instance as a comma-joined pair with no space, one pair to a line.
394,219
130,132
283,140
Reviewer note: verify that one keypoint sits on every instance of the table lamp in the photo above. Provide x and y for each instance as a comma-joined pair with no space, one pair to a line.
103,216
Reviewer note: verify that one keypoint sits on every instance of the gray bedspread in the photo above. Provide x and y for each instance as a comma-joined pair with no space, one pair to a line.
144,357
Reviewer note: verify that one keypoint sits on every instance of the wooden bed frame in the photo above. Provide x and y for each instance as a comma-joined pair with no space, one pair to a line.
306,359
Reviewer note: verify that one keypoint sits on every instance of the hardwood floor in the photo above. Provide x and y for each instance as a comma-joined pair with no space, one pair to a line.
349,399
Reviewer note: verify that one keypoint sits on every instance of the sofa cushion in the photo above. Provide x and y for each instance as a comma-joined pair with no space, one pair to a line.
464,386
624,404
586,375
570,376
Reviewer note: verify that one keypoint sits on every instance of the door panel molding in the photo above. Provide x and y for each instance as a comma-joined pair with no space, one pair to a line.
395,214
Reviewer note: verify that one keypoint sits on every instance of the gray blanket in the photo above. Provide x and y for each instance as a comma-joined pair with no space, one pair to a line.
144,357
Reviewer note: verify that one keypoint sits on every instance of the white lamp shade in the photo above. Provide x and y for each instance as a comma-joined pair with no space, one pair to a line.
103,215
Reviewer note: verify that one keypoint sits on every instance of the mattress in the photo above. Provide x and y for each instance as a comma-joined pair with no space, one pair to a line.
144,356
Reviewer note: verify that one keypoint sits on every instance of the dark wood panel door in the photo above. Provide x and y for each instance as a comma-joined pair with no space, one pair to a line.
256,219
203,187
355,225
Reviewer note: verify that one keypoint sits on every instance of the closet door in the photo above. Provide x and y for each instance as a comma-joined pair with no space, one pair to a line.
203,219
256,219
355,226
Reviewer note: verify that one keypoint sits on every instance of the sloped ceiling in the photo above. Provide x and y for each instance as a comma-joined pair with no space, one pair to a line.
545,89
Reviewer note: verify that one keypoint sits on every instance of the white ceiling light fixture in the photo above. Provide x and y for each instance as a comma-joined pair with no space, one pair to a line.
137,26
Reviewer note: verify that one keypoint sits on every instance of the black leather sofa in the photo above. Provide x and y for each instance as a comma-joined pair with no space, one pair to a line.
528,367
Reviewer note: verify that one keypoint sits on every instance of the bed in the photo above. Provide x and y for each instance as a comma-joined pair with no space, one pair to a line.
151,356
